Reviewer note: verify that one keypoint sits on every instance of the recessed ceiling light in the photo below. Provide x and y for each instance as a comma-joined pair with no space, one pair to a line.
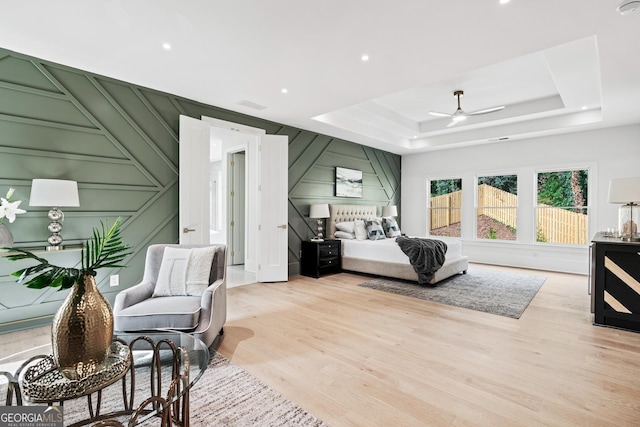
504,1
284,90
364,57
166,46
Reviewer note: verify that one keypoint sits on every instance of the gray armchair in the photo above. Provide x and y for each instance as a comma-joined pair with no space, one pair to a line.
204,316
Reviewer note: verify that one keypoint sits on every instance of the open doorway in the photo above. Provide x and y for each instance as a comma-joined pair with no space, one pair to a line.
228,201
236,197
265,248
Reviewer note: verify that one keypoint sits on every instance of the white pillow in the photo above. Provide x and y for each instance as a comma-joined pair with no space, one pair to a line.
345,226
360,230
199,270
344,235
172,274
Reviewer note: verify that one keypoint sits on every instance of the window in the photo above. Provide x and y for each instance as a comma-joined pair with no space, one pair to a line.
445,204
562,207
497,211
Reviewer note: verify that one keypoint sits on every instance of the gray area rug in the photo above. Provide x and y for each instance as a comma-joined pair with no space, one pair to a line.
496,292
226,395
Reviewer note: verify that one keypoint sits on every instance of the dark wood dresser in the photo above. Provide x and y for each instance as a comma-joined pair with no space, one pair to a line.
615,282
319,258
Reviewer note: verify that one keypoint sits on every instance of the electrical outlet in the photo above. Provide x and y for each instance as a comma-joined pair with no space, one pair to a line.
114,280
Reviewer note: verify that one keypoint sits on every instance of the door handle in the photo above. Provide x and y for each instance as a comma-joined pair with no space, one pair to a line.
283,226
186,230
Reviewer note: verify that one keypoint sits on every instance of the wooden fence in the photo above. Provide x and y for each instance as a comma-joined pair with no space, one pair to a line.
494,203
448,209
556,225
553,225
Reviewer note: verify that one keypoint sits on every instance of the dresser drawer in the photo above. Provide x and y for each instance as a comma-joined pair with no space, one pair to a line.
329,250
329,261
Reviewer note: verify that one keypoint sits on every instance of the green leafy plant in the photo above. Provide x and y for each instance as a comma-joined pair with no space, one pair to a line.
493,234
540,237
103,250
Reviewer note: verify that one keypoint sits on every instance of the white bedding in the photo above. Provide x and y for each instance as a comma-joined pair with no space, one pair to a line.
387,250
384,257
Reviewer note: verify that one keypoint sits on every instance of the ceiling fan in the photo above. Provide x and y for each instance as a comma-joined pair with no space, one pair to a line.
459,115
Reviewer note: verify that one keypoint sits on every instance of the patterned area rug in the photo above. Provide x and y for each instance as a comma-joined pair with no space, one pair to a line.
502,293
226,395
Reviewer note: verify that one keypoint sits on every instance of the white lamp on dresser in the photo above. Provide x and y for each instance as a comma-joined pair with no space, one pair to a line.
626,191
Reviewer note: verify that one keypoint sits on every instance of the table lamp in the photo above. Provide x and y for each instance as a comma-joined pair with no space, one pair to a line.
627,192
320,212
390,210
54,193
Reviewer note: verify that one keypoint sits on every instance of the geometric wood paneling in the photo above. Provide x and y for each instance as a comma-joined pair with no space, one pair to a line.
312,162
120,142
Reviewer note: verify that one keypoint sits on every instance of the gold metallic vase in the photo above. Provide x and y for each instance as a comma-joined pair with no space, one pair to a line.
82,331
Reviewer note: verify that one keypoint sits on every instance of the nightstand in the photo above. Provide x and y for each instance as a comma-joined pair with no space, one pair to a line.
319,258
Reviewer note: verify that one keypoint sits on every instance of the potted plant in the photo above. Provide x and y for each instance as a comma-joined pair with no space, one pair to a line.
82,328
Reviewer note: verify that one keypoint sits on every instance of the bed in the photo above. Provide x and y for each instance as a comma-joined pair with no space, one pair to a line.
384,257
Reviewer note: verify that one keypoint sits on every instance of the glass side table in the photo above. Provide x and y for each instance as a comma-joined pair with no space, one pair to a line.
157,370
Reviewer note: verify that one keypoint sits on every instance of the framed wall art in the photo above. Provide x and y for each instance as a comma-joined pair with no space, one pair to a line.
348,182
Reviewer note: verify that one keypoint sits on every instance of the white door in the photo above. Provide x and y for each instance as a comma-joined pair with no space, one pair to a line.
194,185
273,195
268,193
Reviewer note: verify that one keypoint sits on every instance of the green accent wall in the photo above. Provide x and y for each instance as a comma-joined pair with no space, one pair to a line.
119,141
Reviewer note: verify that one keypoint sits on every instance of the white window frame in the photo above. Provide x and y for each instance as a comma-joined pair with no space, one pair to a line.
591,169
428,204
476,207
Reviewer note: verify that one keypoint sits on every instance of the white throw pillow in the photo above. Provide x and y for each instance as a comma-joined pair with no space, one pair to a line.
360,230
346,226
344,235
172,274
199,270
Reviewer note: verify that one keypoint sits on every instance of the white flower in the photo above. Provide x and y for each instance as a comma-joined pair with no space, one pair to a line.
10,193
10,209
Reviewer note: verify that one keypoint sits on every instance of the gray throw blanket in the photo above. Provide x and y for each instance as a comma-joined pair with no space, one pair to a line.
425,255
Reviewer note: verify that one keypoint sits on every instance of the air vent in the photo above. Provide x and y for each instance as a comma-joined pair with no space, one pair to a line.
253,105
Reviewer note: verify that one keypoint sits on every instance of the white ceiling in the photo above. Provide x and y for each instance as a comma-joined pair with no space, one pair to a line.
557,66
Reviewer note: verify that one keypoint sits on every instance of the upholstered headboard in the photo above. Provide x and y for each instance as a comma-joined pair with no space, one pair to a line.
345,213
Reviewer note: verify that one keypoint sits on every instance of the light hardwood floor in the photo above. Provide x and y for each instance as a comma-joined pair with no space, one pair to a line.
359,357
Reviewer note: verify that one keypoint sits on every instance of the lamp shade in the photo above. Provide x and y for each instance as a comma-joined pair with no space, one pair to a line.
54,193
319,211
624,190
390,210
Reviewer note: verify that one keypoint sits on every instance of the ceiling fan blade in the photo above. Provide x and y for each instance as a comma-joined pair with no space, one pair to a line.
435,113
460,115
488,110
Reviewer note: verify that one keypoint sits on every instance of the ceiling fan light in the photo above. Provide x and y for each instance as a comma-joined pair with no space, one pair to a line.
627,6
459,118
